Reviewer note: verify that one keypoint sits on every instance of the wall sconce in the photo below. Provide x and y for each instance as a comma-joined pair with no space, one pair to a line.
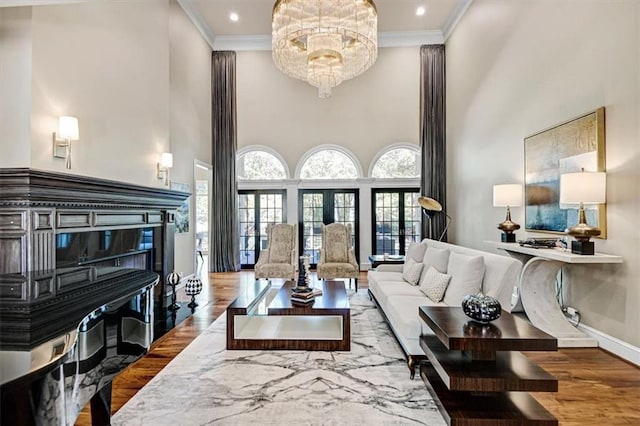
166,162
67,132
583,188
507,195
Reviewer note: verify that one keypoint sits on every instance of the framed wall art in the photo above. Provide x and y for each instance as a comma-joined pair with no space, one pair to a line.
565,148
182,212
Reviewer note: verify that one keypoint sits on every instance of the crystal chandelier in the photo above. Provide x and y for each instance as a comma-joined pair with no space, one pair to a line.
324,42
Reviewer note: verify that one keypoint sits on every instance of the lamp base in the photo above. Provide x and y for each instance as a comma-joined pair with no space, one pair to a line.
583,247
508,238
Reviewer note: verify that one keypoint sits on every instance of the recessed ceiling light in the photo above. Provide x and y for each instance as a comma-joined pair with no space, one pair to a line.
234,17
420,10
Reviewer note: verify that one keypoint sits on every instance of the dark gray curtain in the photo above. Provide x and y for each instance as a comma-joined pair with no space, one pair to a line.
433,180
223,245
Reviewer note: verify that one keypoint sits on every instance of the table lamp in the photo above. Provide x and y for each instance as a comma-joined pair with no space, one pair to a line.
507,195
583,188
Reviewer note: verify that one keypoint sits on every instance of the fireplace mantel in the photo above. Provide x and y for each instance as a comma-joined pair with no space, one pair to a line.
39,209
38,188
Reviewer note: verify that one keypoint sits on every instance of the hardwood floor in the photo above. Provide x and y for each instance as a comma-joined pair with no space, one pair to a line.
595,387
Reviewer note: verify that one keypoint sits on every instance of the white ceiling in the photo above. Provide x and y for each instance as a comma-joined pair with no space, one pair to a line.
398,24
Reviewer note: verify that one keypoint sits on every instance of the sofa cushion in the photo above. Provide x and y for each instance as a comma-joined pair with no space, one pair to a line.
411,271
387,289
434,284
466,277
416,251
337,270
436,257
402,312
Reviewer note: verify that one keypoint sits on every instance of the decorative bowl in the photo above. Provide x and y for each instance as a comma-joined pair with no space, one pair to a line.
481,308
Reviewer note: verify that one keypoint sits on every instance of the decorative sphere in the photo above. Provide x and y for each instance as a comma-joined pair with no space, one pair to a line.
173,278
481,308
193,286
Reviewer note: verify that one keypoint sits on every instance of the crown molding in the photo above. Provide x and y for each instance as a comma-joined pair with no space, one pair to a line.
385,39
194,14
454,18
242,42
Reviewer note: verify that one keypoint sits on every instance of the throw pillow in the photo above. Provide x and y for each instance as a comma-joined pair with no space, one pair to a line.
416,251
435,284
436,257
466,277
411,271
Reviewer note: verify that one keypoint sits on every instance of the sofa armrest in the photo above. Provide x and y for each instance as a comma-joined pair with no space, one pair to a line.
390,267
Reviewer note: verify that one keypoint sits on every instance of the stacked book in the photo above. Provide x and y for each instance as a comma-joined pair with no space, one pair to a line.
306,296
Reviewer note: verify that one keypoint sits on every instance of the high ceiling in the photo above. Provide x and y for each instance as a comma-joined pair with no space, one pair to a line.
398,24
397,19
255,15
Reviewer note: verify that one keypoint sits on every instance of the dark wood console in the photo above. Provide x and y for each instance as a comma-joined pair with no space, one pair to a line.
474,375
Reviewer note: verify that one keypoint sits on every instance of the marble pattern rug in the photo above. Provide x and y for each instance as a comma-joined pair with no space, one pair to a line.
208,385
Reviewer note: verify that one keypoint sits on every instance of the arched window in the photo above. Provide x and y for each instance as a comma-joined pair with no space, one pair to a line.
329,163
397,162
260,164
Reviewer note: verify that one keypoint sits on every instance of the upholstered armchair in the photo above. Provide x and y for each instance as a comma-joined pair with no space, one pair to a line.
278,260
337,256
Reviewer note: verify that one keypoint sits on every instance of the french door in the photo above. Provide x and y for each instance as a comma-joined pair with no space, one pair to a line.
318,206
396,219
257,209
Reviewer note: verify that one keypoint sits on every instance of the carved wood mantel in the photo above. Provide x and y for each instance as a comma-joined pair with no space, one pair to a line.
37,206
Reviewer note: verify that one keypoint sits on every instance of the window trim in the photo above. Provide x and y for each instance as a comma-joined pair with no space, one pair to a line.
262,148
332,147
392,147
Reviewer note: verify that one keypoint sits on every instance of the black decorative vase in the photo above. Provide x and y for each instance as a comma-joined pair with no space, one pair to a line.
483,309
173,279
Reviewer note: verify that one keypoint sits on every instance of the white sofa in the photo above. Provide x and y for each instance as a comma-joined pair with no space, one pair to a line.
400,300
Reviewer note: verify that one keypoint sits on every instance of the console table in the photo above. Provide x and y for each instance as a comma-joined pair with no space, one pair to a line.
538,288
476,374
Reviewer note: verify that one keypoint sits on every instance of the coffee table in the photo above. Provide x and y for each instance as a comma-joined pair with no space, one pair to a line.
254,323
378,259
476,374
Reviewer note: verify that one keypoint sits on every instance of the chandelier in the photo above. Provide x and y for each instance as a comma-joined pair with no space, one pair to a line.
324,42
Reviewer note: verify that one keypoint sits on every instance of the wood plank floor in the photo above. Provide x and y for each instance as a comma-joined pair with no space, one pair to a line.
595,388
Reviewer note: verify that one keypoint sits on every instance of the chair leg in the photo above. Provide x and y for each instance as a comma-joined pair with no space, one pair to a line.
356,281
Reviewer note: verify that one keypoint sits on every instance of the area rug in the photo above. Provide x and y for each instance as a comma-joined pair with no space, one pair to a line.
206,384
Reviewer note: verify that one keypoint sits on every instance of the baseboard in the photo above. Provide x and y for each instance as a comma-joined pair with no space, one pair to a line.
183,281
614,345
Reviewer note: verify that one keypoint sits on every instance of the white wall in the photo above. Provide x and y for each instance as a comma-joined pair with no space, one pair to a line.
108,64
365,114
15,86
135,73
514,68
190,112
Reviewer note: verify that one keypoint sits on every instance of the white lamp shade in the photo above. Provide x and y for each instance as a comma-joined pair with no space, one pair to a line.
166,160
68,128
508,195
583,187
